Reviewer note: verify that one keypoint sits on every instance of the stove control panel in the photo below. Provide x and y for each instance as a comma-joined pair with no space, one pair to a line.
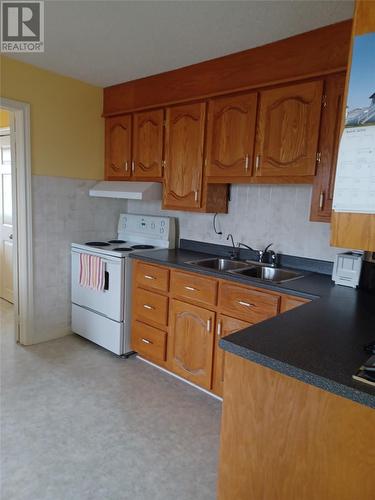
144,227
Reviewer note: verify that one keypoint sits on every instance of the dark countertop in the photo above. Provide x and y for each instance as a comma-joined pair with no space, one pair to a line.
320,343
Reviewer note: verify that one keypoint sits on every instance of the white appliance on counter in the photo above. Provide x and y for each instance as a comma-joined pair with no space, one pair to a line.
104,316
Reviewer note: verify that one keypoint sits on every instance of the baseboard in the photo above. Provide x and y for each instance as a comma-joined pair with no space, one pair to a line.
180,378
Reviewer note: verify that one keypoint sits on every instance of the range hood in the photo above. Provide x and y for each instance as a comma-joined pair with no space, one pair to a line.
146,191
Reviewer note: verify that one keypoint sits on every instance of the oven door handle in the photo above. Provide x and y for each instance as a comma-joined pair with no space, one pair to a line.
106,280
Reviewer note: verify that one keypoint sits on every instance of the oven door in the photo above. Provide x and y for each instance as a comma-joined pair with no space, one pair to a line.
110,301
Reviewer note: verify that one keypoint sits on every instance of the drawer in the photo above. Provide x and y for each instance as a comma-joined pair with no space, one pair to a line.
246,303
195,288
151,276
150,307
149,342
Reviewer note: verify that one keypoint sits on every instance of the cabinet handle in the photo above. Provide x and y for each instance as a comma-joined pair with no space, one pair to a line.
148,277
321,200
146,306
164,164
246,304
146,341
126,166
195,195
133,166
209,325
192,289
219,328
257,162
246,163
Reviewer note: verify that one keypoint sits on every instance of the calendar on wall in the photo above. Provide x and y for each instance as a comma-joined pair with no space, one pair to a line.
355,175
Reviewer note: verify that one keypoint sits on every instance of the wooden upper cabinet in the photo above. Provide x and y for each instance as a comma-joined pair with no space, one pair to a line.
190,346
184,143
288,130
118,147
148,128
322,195
230,135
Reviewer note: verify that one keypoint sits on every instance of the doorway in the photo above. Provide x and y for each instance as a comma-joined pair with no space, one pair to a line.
16,269
6,211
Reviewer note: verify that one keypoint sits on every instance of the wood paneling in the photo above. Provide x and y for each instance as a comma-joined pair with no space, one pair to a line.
148,129
194,288
348,229
329,137
317,52
184,156
246,303
289,302
286,440
149,342
287,130
118,147
230,135
151,308
149,276
224,326
190,348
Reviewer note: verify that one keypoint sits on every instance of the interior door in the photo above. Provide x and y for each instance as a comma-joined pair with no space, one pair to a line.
184,156
6,222
148,144
191,342
224,326
118,147
230,136
288,130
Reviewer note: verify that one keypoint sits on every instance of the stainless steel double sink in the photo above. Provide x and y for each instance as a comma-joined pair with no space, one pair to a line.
249,269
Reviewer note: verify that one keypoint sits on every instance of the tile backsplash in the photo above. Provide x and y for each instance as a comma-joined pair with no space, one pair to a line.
258,215
63,212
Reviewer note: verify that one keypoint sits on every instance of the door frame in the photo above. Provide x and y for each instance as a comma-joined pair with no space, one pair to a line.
23,277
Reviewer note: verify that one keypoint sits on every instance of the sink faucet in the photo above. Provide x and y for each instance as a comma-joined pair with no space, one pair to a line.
234,253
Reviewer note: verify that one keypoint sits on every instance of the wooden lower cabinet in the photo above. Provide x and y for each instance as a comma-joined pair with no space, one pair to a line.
224,326
283,439
290,302
190,343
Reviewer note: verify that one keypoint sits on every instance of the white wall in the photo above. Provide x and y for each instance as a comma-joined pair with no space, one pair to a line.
258,215
63,213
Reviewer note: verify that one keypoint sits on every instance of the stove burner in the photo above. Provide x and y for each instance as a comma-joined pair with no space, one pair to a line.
123,249
142,247
116,241
97,244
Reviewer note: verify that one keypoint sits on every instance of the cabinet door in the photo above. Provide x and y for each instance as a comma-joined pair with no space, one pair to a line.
190,347
184,156
148,144
288,130
230,136
288,303
322,195
118,147
224,326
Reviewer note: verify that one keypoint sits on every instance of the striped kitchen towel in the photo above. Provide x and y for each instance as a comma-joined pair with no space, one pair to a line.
91,272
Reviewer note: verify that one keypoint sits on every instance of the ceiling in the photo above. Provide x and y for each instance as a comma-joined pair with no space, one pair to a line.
108,42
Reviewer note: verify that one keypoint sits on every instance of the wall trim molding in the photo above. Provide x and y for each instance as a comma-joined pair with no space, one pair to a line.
22,213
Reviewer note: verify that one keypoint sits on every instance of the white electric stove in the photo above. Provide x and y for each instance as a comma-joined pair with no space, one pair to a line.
104,316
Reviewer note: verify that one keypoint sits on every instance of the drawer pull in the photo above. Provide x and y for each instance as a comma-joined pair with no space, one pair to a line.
146,306
246,304
146,341
148,277
192,289
219,329
209,325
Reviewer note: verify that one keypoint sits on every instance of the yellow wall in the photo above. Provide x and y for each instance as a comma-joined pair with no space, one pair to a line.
4,118
67,131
